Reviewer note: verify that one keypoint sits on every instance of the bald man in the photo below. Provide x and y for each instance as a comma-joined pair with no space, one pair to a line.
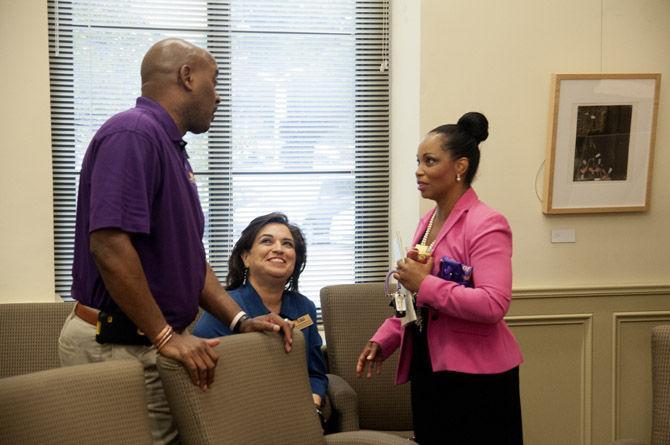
139,270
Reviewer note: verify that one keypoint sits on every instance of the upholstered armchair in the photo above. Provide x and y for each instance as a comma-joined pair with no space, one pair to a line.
260,395
97,403
351,315
29,336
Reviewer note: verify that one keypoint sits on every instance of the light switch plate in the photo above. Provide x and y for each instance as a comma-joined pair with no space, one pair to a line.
563,236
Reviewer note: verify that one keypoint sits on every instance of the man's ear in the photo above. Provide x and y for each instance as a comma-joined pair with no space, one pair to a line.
186,77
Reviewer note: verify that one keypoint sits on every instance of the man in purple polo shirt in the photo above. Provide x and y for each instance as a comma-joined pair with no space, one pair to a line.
139,257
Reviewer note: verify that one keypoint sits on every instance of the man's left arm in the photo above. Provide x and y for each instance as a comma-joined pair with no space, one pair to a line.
215,300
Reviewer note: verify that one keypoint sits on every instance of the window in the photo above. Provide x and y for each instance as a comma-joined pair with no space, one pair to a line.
302,126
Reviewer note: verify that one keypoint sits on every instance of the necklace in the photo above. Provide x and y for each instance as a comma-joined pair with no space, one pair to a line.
422,249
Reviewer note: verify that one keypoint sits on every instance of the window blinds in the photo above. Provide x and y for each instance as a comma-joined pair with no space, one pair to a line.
302,128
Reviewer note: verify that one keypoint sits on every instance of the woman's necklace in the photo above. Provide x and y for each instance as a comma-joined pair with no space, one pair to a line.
423,253
422,249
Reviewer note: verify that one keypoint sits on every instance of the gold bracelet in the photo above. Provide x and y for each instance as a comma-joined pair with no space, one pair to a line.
165,341
165,333
162,333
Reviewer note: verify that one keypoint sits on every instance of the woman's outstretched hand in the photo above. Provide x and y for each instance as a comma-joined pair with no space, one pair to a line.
370,358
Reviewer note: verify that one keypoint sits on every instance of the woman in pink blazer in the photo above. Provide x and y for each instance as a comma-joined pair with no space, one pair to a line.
460,357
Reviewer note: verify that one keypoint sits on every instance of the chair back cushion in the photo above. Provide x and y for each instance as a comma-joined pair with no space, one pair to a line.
660,380
29,336
351,315
98,403
260,394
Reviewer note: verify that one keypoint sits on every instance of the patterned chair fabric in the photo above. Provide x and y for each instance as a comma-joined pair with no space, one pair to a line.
351,315
260,395
29,336
98,403
660,383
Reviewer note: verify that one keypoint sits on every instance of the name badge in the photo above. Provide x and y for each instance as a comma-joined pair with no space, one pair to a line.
303,321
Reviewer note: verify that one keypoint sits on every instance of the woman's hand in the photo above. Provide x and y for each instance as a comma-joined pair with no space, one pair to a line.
410,273
370,358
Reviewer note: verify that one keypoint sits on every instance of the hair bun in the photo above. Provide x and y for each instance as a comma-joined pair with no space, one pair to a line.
475,124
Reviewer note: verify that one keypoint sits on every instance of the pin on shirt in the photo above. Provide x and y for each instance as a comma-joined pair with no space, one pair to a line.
303,321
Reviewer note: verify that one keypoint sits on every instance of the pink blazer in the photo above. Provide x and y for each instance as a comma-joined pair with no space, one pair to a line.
466,331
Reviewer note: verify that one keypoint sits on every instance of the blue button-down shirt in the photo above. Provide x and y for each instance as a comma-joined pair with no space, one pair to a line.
293,305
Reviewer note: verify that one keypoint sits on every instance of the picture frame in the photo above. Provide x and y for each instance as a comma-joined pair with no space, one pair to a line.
600,148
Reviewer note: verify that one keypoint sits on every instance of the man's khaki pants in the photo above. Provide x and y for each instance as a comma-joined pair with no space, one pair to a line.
77,346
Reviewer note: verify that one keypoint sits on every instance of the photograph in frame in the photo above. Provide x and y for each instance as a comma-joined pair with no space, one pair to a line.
601,141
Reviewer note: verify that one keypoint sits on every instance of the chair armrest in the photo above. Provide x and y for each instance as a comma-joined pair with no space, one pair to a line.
365,437
324,351
344,403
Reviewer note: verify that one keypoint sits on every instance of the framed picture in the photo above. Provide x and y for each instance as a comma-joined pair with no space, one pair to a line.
601,143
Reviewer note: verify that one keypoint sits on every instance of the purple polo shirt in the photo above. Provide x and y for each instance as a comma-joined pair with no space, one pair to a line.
136,177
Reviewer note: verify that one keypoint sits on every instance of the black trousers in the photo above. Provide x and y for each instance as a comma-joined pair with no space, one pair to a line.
464,409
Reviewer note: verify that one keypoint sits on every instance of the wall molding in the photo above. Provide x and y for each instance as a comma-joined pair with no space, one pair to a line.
591,291
546,320
585,320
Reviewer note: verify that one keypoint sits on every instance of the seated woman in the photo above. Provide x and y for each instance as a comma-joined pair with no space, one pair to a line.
263,271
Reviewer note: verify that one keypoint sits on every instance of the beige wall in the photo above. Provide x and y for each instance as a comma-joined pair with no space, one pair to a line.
582,312
26,227
497,57
405,76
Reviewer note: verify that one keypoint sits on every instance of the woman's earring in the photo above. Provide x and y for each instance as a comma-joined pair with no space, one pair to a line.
458,177
244,280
